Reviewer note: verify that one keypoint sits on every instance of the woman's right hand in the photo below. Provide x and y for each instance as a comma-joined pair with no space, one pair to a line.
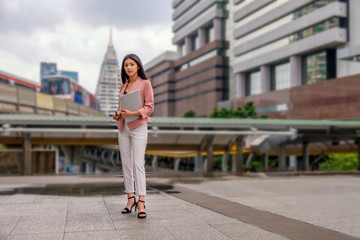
116,116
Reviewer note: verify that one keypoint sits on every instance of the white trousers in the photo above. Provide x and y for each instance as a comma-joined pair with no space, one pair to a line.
132,150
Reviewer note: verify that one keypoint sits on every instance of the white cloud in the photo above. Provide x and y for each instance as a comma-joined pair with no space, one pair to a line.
73,44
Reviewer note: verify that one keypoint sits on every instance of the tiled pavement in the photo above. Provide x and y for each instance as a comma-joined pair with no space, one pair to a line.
204,208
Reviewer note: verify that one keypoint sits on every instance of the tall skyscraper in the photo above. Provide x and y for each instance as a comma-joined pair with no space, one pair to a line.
107,89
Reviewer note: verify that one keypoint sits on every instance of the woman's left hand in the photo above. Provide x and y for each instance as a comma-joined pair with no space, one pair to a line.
125,113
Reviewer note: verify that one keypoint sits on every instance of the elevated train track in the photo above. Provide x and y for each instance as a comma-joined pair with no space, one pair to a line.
192,136
18,99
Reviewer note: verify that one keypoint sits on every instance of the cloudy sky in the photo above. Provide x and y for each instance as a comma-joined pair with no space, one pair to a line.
75,34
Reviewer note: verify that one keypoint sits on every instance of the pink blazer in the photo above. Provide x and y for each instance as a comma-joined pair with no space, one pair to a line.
147,97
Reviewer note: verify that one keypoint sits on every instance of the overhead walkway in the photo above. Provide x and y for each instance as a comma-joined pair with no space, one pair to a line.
192,136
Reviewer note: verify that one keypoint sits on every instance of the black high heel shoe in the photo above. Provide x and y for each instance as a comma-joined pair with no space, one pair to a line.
129,210
141,213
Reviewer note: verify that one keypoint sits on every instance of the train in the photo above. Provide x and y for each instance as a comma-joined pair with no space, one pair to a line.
10,79
66,88
20,95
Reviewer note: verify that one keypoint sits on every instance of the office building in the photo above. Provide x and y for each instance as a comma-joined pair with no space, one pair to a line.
197,72
70,74
50,69
295,59
107,88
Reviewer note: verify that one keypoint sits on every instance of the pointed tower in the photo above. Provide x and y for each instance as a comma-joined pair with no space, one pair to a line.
107,88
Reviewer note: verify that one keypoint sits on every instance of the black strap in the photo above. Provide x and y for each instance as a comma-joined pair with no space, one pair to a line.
143,213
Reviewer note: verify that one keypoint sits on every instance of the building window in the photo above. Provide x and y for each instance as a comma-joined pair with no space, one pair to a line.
280,76
209,34
252,83
194,42
315,68
310,31
221,5
320,27
311,7
319,67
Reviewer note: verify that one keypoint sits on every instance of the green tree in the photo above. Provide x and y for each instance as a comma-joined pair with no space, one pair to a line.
239,113
189,114
341,162
248,111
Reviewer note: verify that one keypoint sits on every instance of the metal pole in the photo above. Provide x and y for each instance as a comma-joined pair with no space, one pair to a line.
225,161
177,164
209,165
282,157
266,162
306,156
154,163
26,166
199,162
239,156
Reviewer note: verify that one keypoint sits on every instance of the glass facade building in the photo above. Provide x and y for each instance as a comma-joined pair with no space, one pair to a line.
271,50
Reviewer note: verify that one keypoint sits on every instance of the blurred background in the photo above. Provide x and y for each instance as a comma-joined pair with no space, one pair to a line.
253,59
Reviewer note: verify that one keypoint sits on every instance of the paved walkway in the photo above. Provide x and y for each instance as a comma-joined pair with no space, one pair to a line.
321,207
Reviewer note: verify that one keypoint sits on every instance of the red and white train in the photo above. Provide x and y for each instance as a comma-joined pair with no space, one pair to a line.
58,86
10,79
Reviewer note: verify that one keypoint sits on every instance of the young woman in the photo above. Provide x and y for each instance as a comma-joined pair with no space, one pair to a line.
132,136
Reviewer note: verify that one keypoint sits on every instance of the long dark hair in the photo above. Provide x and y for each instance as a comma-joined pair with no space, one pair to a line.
141,71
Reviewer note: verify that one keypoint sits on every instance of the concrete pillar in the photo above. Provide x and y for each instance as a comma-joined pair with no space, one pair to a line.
295,71
177,164
293,163
199,162
240,85
218,29
249,160
282,157
209,158
179,50
306,156
26,165
187,45
224,161
154,164
238,164
265,79
201,37
266,162
233,162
